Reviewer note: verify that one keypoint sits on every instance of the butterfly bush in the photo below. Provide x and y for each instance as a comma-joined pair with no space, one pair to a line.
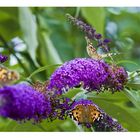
21,102
3,58
104,122
95,75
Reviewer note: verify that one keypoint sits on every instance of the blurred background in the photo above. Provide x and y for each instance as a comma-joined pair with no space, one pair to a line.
39,36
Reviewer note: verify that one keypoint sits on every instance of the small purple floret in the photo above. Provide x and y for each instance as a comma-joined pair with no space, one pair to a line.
98,36
106,41
3,58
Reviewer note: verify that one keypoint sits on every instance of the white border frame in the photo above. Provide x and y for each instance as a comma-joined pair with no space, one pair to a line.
71,3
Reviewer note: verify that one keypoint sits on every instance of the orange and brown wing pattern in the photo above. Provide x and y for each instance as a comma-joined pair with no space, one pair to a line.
94,112
77,113
92,52
85,113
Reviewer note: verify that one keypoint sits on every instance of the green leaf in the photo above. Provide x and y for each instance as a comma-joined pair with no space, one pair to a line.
96,17
42,69
44,126
133,85
59,125
126,61
133,96
108,96
51,51
134,80
29,29
126,116
13,126
9,26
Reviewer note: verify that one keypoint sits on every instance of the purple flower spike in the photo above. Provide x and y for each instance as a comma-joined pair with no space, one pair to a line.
86,113
93,75
89,31
3,58
21,102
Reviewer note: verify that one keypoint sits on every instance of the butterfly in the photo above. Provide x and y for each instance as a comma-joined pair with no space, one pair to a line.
92,52
85,114
7,76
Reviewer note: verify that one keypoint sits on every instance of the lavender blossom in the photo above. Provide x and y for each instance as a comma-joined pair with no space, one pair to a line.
102,122
93,75
21,102
3,58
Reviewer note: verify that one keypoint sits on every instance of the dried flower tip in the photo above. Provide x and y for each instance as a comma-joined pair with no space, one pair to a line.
117,78
40,87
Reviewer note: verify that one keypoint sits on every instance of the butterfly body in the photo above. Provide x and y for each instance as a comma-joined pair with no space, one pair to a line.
85,114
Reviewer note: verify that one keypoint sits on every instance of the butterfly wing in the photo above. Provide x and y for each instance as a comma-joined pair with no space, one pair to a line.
92,52
94,113
85,114
77,113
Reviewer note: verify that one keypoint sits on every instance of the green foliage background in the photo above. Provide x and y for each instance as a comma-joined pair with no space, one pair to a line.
51,40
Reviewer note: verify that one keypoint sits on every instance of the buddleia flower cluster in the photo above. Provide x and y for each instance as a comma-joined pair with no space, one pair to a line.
39,101
21,102
95,75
